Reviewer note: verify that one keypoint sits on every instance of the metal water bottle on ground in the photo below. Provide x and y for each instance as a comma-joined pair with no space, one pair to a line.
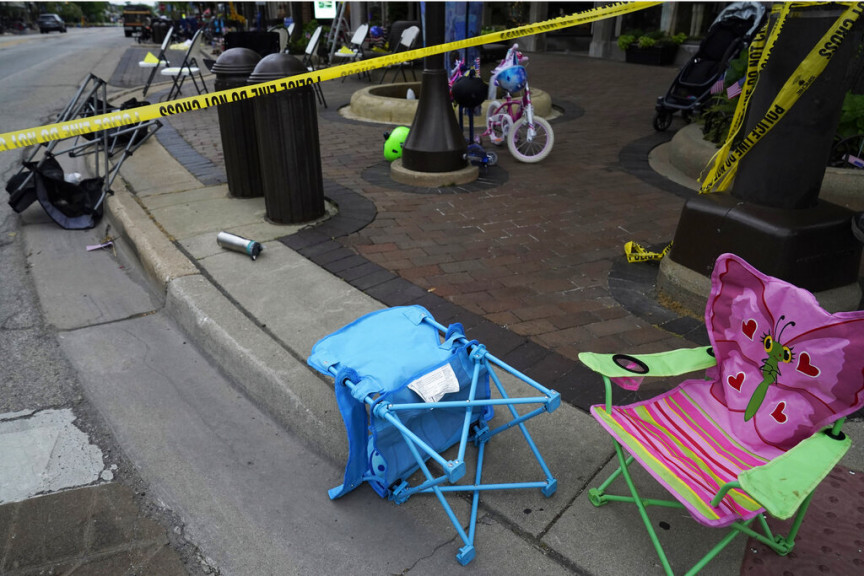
239,244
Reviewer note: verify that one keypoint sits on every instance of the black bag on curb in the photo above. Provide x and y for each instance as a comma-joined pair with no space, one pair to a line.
74,206
21,195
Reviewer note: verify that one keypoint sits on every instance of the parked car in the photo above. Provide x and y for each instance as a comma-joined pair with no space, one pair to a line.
50,22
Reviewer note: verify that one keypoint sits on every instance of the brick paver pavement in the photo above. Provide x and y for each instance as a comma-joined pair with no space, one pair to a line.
533,254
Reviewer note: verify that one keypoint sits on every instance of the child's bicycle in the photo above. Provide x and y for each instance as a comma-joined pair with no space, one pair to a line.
529,138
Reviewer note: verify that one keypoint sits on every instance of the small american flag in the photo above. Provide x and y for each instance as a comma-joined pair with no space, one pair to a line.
718,86
853,160
735,89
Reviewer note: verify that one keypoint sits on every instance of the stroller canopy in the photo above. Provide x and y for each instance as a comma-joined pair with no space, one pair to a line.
752,12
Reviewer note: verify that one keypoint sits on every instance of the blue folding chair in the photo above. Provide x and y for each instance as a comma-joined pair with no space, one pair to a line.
407,394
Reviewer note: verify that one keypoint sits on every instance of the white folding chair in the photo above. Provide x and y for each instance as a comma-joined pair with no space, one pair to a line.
355,51
309,63
188,68
161,60
406,43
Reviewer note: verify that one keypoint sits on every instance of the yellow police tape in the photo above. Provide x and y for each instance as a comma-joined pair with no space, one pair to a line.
79,126
636,253
725,163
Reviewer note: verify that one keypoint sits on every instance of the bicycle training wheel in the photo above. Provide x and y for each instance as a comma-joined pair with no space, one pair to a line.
530,150
498,123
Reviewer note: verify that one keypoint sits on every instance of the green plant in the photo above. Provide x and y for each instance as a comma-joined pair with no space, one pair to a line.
718,115
649,39
679,38
849,138
625,40
851,116
298,44
717,118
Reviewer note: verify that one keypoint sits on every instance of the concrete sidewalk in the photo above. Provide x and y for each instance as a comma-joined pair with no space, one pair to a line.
533,267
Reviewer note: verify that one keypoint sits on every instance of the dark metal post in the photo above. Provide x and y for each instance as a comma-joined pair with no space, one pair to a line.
435,143
785,169
773,217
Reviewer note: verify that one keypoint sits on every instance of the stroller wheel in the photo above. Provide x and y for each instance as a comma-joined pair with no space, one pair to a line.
662,120
687,116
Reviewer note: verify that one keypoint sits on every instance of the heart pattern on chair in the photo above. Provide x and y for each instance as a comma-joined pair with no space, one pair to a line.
783,359
785,369
736,381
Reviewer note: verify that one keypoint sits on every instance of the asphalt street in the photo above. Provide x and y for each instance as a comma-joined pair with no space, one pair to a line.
70,499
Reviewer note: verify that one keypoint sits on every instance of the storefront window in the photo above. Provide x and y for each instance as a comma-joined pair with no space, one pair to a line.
558,9
712,10
642,20
684,18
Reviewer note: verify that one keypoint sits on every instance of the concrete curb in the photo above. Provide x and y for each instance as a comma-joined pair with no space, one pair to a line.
368,106
256,363
432,179
254,360
154,249
162,260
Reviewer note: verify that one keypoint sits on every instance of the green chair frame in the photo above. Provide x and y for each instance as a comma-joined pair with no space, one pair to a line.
812,460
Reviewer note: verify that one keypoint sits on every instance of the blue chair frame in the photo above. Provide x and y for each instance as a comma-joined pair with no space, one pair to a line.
474,401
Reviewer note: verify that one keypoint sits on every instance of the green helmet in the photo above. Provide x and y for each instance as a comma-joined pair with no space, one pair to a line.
395,142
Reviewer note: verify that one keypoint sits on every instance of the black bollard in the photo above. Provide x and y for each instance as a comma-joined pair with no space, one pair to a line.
435,143
237,124
288,144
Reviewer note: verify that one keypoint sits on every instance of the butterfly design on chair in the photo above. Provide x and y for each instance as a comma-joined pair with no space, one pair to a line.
782,355
760,430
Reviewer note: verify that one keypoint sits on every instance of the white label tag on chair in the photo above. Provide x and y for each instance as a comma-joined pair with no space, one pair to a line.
432,386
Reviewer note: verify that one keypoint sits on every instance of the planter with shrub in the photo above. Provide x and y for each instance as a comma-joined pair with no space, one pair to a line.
654,48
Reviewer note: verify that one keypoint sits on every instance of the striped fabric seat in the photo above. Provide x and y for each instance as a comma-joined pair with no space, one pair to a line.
685,449
786,368
759,432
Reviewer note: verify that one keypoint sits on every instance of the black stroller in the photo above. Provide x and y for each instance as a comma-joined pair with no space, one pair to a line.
731,31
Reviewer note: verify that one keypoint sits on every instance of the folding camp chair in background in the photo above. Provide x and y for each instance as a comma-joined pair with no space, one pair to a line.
309,61
187,69
155,62
419,394
81,104
285,33
406,43
283,37
78,205
354,52
763,428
